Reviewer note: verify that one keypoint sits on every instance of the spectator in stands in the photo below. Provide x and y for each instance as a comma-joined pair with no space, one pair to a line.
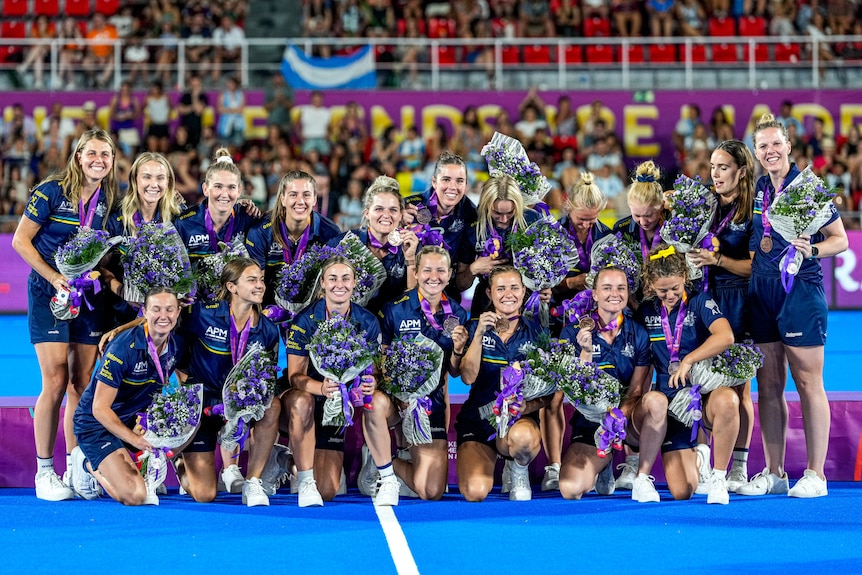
565,121
469,140
817,32
229,41
197,33
315,123
99,59
567,18
531,121
787,118
536,18
627,17
691,18
124,112
689,118
609,182
278,101
781,20
51,146
231,121
379,19
38,54
411,151
698,138
352,126
136,57
596,9
840,15
660,14
349,20
71,53
317,23
540,148
350,208
157,110
717,122
384,153
505,23
815,139
191,109
20,125
436,143
410,55
166,54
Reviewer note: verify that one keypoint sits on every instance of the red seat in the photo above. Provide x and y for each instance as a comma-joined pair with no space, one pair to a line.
78,8
510,55
13,29
50,8
722,27
537,54
698,53
14,8
107,7
441,28
601,54
752,26
635,53
597,27
761,52
725,53
787,52
574,54
662,53
446,55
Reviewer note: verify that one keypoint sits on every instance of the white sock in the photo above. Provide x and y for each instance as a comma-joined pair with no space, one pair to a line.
303,475
740,460
386,470
518,468
44,465
719,473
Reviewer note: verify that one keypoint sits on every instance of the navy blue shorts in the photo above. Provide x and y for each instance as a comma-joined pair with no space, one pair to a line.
733,303
677,436
583,430
206,437
329,436
99,444
797,319
469,429
87,328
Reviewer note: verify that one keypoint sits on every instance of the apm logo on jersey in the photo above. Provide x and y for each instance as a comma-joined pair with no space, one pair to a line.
198,240
216,333
410,325
140,368
488,342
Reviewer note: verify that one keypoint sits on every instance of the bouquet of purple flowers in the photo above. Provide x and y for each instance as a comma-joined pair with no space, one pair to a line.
543,253
506,156
802,207
298,281
338,351
411,371
613,251
76,260
210,267
156,257
246,395
692,208
169,422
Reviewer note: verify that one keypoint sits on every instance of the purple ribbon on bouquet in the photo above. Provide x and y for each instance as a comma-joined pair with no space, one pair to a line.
533,303
240,435
543,209
612,432
429,236
79,285
217,409
696,407
512,379
422,404
493,248
788,276
573,308
277,314
345,403
356,396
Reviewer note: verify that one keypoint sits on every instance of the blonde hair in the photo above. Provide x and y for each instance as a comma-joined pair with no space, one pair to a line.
222,162
381,185
646,185
169,206
504,188
767,121
433,251
279,212
71,178
664,261
585,194
334,260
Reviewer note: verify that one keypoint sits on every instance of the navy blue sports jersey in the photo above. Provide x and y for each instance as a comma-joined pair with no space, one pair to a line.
454,226
597,232
733,242
701,311
191,225
128,367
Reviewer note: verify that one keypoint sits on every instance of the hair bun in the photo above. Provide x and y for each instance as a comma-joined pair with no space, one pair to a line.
225,159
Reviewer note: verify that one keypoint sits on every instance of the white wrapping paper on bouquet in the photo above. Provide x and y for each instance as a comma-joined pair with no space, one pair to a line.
238,418
415,422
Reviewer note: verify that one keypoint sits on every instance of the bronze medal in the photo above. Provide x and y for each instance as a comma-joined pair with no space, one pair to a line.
423,216
394,238
501,325
766,244
449,325
673,367
587,323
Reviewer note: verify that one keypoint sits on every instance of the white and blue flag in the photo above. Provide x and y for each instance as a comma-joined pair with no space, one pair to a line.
353,72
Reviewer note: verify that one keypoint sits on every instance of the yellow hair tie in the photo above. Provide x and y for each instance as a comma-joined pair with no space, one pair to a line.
669,251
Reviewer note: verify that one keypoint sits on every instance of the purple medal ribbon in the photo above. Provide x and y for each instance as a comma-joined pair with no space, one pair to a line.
154,355
512,379
237,348
584,248
208,223
429,315
289,257
656,240
611,326
572,309
375,243
612,432
764,205
696,407
79,285
87,222
433,205
707,243
673,340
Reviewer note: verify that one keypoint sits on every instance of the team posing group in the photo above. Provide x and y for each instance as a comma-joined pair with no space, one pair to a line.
663,328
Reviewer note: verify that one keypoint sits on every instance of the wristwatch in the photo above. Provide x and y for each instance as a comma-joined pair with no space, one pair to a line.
814,253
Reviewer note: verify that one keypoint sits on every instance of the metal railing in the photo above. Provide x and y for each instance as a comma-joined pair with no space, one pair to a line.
557,63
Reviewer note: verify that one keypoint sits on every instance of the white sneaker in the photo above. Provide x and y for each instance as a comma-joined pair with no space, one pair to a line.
253,494
736,478
50,488
342,484
629,473
507,476
605,481
809,486
232,478
277,469
643,489
387,491
704,471
551,480
765,483
309,496
718,490
84,484
520,490
368,474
